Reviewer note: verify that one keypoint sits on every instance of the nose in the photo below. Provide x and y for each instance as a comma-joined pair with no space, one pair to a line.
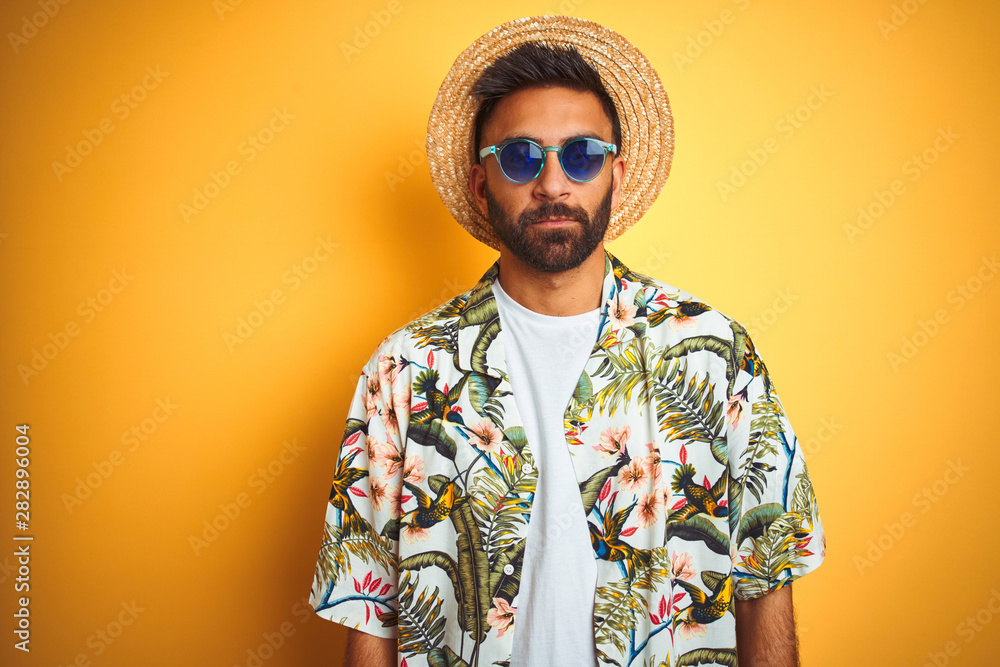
552,182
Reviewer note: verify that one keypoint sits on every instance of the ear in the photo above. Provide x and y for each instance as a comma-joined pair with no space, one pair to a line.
618,168
477,184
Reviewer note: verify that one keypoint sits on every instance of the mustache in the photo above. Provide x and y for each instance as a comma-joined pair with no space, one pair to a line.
554,210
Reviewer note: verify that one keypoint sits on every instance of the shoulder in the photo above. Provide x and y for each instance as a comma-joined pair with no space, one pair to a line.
673,313
432,331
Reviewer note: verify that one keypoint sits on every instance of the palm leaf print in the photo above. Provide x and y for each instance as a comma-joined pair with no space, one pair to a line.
629,372
655,574
772,554
763,428
686,408
804,498
757,521
445,311
481,311
617,608
767,418
481,390
697,528
473,571
445,657
621,601
502,517
433,434
708,656
421,625
338,545
438,336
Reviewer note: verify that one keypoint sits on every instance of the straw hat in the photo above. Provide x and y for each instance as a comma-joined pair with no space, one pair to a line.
632,83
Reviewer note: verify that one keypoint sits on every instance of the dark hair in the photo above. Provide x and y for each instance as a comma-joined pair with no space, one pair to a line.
536,64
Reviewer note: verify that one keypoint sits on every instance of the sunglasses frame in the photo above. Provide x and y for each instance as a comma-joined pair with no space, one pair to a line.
496,149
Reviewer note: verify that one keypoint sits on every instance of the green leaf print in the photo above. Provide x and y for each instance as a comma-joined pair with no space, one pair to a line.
421,625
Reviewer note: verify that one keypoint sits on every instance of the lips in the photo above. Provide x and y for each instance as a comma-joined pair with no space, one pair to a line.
555,222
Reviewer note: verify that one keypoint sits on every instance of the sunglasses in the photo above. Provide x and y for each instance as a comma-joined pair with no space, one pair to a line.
521,160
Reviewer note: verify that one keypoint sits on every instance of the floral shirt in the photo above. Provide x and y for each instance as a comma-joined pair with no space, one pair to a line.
695,488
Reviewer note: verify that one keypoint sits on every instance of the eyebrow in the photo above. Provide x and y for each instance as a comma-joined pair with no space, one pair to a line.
537,140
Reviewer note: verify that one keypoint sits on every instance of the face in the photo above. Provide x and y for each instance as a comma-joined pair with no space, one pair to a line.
551,224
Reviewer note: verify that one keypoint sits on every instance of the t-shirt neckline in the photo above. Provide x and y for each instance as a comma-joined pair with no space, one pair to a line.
541,318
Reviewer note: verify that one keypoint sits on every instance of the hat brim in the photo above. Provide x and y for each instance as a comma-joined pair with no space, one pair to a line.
634,87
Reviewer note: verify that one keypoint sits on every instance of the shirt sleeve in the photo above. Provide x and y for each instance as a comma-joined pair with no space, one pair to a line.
775,531
356,575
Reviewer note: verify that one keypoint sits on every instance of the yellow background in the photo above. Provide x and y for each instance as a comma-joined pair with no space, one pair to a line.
826,307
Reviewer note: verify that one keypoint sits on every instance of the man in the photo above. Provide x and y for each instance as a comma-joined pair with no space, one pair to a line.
570,463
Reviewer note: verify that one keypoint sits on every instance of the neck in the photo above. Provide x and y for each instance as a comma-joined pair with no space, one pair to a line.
561,294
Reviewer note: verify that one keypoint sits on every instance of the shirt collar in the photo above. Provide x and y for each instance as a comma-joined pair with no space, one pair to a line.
622,318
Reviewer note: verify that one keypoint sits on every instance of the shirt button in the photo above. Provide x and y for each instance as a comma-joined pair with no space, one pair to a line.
526,468
508,569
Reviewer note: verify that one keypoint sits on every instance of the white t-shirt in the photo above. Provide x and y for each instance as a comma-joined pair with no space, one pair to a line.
555,603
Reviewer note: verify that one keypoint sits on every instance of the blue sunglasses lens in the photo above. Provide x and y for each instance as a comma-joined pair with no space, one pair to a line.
521,161
582,160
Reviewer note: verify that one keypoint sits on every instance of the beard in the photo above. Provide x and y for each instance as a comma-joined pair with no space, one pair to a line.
550,250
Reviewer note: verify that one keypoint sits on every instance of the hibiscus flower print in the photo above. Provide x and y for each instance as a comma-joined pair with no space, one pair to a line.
688,628
652,463
613,440
385,495
391,422
649,508
388,457
413,533
486,436
682,566
373,397
633,478
370,441
401,402
621,314
388,369
678,322
413,469
501,616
